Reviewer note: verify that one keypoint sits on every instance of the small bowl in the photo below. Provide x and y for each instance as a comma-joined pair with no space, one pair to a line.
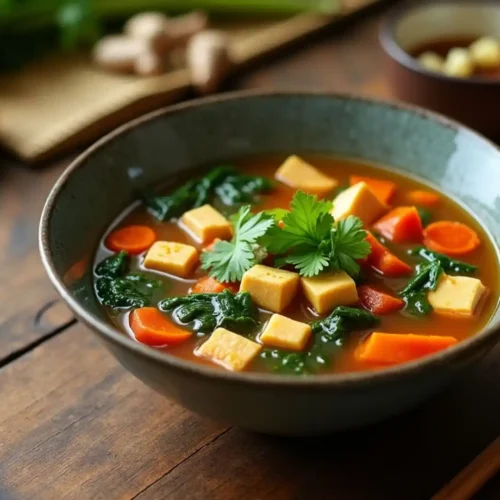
472,101
104,180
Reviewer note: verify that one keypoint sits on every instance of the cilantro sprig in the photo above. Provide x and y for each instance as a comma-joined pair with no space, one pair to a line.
229,260
312,242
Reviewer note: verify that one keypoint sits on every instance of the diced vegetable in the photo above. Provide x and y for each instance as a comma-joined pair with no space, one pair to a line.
385,262
401,225
456,295
271,289
449,265
360,201
451,238
379,302
228,261
132,239
118,289
151,327
329,337
229,349
297,173
207,224
393,348
329,290
285,333
422,198
172,257
211,285
384,190
208,311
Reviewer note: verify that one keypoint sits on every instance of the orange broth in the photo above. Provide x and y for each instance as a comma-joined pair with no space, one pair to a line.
400,322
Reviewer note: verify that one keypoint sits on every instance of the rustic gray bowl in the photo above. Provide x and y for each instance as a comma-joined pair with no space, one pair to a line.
104,180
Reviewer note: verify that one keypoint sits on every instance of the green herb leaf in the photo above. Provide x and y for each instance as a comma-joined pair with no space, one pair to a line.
309,260
115,266
349,243
208,311
417,303
449,265
229,260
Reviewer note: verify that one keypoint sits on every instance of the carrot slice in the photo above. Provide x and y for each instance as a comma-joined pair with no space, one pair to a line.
151,327
451,238
383,190
395,348
211,285
424,198
379,302
385,262
132,239
401,225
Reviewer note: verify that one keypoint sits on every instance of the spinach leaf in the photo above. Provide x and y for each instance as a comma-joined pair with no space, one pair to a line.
114,266
117,289
415,292
425,215
417,303
329,336
208,311
449,265
223,183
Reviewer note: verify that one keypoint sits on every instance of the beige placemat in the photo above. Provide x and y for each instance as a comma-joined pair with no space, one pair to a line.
58,103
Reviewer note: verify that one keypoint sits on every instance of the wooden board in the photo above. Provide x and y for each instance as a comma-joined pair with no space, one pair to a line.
61,102
75,425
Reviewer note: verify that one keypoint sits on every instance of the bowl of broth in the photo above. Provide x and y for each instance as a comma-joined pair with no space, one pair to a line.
445,55
287,263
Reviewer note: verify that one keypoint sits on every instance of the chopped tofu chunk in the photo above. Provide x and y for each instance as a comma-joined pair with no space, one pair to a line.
360,201
330,290
485,52
286,333
206,224
271,289
459,63
297,173
171,257
229,349
458,295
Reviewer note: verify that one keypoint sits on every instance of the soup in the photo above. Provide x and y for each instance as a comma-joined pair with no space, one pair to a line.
299,266
461,57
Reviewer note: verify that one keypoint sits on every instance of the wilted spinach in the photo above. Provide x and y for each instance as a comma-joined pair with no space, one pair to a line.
222,183
208,311
449,265
117,288
329,334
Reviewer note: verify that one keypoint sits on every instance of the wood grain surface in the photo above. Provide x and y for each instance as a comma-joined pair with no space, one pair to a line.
75,425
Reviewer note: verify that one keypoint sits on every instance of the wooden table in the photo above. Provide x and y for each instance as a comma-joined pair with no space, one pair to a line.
75,425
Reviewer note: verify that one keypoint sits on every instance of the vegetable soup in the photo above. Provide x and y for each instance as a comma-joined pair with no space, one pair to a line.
298,265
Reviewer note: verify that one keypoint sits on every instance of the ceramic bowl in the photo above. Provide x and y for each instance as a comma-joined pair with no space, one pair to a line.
411,25
104,180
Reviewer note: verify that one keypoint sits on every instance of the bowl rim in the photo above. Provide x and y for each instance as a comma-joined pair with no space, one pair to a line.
341,381
392,48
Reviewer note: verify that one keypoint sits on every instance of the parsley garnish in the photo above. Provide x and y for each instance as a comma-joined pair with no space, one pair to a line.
312,242
229,260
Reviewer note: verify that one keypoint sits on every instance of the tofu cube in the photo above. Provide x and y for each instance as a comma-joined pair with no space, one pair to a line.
171,257
271,289
229,349
286,333
360,201
205,224
297,173
431,61
456,295
459,63
329,290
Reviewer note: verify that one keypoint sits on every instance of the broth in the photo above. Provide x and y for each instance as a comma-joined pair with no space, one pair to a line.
400,322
